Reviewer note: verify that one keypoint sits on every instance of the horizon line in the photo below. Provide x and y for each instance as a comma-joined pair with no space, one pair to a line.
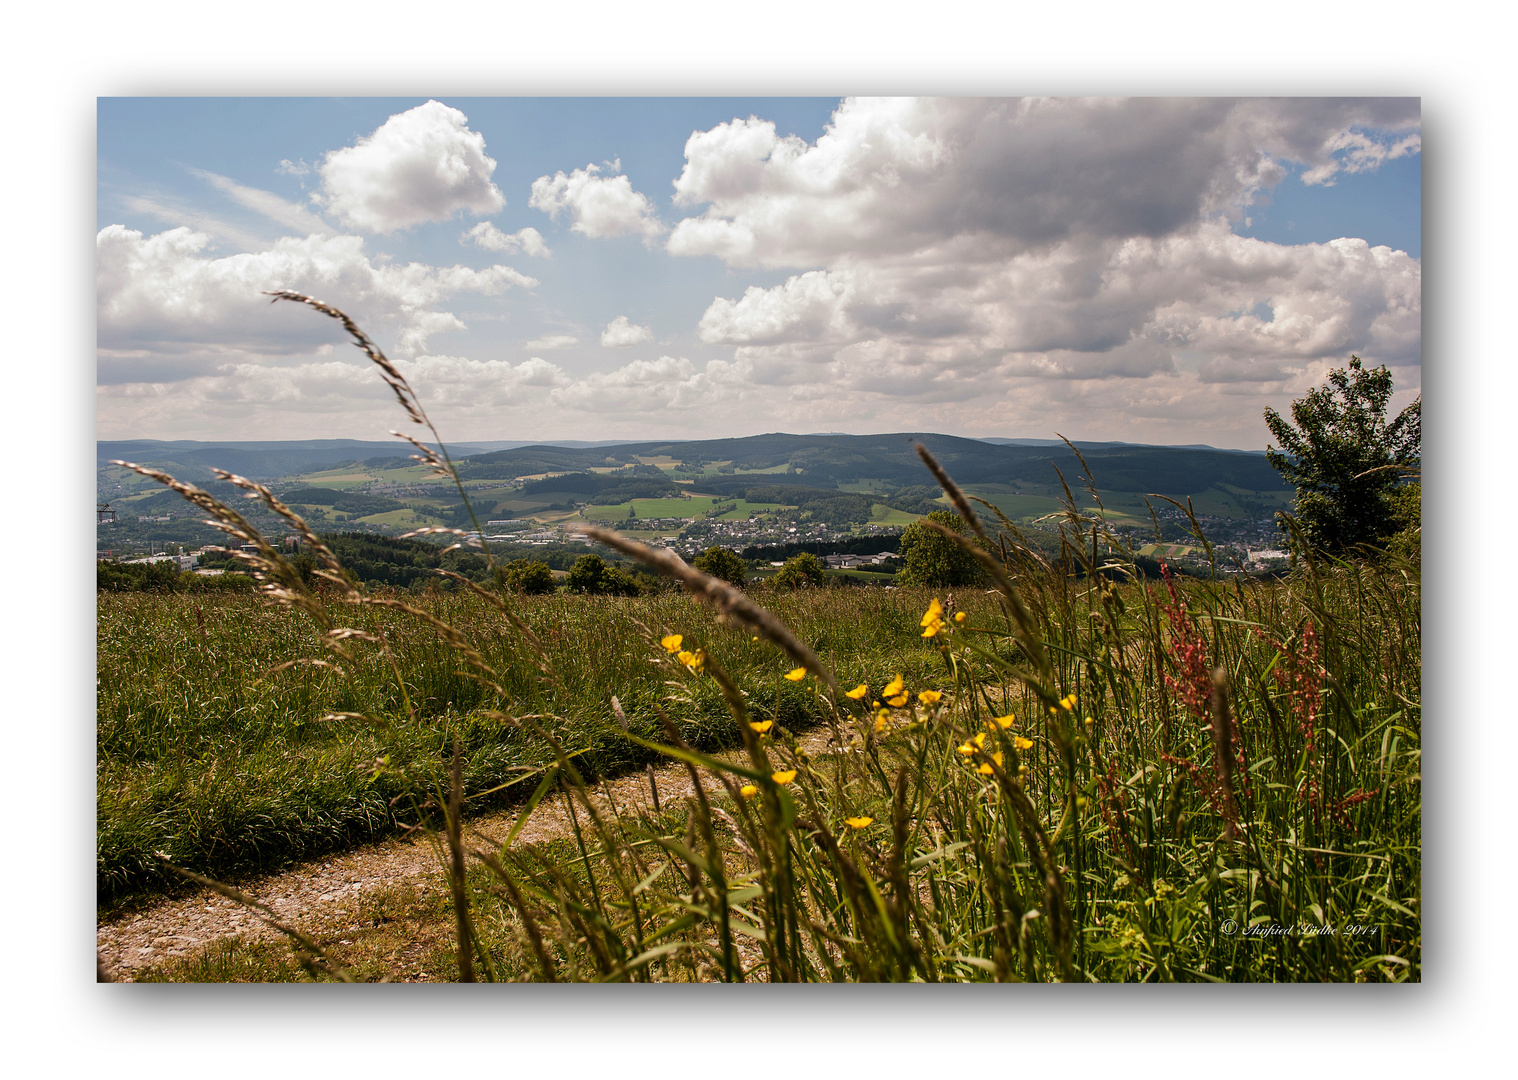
566,443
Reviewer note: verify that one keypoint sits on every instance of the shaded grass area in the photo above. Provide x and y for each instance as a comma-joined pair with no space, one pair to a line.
211,758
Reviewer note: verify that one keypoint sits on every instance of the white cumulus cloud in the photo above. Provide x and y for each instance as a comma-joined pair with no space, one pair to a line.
598,206
897,176
419,166
486,235
622,332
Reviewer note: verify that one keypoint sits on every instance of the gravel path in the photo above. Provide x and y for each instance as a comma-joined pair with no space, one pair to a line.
326,897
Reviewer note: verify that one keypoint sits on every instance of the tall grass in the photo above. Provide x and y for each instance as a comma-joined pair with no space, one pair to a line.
1081,777
211,757
1202,781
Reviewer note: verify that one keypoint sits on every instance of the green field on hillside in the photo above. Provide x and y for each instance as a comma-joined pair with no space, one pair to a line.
404,518
881,514
350,477
695,506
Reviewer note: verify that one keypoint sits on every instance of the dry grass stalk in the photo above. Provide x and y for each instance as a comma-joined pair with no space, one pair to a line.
388,371
1027,628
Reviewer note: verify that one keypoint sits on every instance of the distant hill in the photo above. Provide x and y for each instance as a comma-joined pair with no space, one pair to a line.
828,461
1060,442
880,463
192,460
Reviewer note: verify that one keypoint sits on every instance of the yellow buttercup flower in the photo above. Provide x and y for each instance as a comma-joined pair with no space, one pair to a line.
748,791
1004,721
672,643
960,616
857,822
893,687
761,726
985,767
1021,743
882,720
784,776
897,702
858,692
693,660
934,613
796,674
975,743
929,697
933,628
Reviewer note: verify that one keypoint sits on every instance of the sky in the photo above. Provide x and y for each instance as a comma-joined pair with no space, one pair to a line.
1151,270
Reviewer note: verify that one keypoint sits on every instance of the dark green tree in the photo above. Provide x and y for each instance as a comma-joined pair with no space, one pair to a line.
1345,460
719,562
586,574
1407,517
616,581
590,574
934,559
800,571
532,578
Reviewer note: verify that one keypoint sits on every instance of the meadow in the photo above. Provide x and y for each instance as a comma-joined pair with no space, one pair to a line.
215,747
1067,772
1123,824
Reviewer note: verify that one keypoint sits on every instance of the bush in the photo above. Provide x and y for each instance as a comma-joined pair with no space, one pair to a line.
164,578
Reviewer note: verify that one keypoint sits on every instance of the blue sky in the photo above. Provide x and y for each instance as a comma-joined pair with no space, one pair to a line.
1154,270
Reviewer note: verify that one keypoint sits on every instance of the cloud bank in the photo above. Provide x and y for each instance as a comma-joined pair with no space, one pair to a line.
161,295
978,251
1007,266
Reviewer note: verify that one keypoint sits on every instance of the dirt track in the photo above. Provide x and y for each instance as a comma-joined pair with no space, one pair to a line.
326,897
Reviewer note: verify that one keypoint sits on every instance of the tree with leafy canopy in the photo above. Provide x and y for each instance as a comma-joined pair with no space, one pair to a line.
585,575
933,559
1345,460
530,577
590,574
800,571
719,562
